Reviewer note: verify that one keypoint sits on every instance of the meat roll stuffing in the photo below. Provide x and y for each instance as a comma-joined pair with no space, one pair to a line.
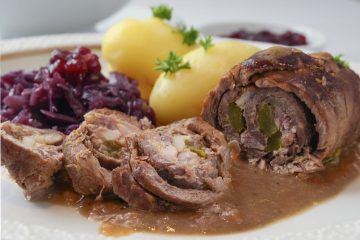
97,147
289,111
32,156
181,165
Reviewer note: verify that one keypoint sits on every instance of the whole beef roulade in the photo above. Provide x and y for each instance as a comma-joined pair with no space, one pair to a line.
181,165
97,147
289,111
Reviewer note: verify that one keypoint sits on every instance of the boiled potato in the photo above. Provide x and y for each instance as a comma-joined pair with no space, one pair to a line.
133,46
180,95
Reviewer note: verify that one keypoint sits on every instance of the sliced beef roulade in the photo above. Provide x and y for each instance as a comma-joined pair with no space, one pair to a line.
32,156
289,111
184,164
97,147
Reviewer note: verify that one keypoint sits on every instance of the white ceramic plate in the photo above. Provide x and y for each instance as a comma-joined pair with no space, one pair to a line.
337,218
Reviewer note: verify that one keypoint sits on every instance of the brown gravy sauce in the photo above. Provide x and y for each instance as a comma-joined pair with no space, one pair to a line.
255,198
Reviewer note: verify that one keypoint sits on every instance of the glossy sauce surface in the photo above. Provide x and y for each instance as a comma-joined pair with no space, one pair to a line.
255,198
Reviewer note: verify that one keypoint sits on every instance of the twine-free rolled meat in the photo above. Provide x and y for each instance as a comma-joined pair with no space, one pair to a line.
96,147
181,165
288,111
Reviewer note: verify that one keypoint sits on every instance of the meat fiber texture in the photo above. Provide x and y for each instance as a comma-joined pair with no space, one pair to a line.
96,147
313,100
181,165
32,156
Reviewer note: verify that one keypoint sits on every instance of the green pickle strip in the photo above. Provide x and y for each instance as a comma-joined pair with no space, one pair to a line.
273,142
200,152
112,145
236,117
269,128
266,121
333,158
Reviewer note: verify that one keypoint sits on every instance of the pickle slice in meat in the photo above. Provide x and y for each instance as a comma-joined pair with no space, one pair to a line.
333,158
269,128
273,142
266,120
200,152
112,145
236,117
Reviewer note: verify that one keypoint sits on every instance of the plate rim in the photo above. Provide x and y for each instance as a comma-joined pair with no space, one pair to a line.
27,46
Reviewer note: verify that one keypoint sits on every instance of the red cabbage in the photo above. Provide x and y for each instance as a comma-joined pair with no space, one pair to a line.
59,94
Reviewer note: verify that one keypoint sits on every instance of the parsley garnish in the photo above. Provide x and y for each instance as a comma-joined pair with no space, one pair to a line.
206,42
172,64
338,59
189,35
162,11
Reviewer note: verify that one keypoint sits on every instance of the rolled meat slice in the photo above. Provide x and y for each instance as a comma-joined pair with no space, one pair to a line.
289,111
97,147
32,156
181,165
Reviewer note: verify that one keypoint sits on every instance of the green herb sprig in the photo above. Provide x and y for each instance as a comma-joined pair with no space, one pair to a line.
172,64
190,35
162,11
206,42
338,59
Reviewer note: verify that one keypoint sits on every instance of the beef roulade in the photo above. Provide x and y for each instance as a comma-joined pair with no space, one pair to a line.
32,156
184,164
289,111
97,147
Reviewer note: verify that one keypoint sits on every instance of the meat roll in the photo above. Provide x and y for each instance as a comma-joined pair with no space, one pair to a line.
97,147
32,156
181,165
290,112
